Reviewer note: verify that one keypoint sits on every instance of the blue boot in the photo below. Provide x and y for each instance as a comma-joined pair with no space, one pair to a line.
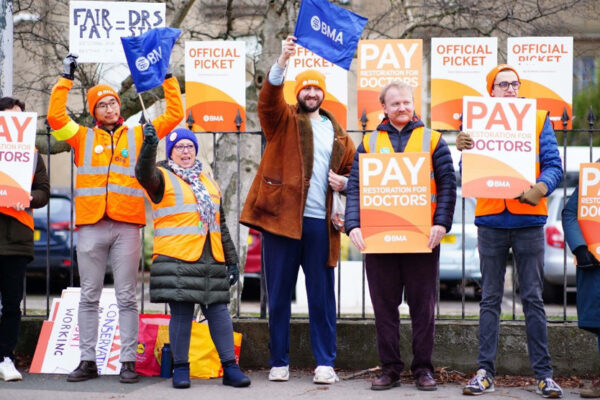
233,376
181,376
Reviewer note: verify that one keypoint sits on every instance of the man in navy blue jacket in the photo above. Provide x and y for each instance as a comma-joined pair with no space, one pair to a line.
417,273
518,223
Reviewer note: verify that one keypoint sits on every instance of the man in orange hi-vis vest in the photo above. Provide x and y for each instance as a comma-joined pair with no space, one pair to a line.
416,274
109,208
16,251
518,224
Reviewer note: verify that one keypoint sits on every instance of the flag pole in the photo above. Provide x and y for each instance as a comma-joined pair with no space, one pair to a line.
143,107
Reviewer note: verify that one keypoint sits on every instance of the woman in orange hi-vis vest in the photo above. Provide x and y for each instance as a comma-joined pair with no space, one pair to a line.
194,258
109,208
16,251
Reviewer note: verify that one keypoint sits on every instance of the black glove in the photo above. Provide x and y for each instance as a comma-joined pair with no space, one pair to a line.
233,272
150,134
69,66
169,73
585,259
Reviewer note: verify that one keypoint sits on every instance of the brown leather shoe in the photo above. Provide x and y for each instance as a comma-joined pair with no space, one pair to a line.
384,382
84,371
425,381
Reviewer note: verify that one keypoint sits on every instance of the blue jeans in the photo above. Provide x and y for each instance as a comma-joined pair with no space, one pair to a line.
219,325
528,249
283,257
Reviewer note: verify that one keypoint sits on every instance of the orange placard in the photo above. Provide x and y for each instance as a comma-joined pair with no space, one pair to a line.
215,85
395,202
458,68
502,161
17,155
588,210
381,62
545,66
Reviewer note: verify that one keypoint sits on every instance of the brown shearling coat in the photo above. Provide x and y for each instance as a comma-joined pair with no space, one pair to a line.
277,197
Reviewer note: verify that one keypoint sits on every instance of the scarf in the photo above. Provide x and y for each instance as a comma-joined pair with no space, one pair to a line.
204,204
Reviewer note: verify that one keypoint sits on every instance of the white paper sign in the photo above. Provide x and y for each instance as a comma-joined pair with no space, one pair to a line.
96,27
62,353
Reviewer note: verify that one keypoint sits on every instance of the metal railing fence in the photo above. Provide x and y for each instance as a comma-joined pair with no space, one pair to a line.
362,314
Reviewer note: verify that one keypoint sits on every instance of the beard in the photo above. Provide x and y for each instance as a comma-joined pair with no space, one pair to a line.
308,109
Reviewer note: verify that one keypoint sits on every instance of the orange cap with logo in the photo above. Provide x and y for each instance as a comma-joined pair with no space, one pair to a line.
98,92
309,77
491,76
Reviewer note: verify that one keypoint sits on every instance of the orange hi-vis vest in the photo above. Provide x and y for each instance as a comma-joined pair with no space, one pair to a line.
106,180
422,140
496,206
26,216
178,230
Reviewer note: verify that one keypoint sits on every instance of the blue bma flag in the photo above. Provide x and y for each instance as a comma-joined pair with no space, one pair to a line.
148,56
329,31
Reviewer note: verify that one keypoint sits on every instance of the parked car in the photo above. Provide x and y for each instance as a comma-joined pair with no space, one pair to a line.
252,267
59,232
554,265
451,252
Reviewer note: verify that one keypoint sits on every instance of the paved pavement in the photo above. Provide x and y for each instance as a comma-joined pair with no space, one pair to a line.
300,386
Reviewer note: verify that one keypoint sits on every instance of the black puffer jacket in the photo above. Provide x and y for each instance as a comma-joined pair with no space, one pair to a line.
443,170
16,239
204,281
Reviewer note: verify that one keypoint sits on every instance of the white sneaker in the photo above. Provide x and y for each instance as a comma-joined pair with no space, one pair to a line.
325,374
8,372
280,374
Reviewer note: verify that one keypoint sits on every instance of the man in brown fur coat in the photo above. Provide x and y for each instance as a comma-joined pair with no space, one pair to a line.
308,156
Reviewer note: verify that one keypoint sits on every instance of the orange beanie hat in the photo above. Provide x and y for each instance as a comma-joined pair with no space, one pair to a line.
491,76
96,93
309,77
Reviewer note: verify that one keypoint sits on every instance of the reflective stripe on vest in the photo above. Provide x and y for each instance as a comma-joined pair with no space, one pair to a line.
421,140
487,206
25,216
178,229
99,190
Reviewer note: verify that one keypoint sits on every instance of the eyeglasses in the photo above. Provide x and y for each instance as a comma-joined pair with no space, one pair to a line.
103,106
505,84
180,148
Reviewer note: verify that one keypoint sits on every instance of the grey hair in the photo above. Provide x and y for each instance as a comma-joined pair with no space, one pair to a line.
399,85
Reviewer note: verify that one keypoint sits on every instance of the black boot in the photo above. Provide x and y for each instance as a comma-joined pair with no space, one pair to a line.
233,376
84,371
128,374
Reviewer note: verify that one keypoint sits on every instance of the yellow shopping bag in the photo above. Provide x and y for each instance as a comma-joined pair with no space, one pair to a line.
203,356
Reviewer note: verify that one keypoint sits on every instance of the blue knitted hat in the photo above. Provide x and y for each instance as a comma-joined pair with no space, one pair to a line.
176,136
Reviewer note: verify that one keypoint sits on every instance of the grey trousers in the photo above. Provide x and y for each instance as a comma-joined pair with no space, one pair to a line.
118,243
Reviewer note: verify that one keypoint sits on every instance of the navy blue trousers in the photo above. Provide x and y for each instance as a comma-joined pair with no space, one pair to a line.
283,257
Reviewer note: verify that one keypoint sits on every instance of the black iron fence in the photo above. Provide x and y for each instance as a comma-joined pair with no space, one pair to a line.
362,311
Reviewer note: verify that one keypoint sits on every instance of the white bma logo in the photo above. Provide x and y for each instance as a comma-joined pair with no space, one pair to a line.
326,30
315,23
142,64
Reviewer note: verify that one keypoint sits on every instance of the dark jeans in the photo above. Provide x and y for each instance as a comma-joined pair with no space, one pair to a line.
528,249
283,257
416,274
180,330
12,274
